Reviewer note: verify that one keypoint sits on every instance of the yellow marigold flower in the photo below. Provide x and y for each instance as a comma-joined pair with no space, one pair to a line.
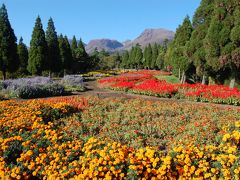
226,137
207,175
237,124
236,171
13,175
34,173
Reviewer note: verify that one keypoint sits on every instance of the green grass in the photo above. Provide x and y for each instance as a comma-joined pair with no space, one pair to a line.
170,79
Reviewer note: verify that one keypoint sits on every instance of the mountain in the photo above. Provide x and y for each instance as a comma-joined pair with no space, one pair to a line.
107,44
148,36
151,36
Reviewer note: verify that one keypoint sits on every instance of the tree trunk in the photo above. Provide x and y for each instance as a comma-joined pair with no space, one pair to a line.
183,79
50,74
204,80
4,74
179,73
232,83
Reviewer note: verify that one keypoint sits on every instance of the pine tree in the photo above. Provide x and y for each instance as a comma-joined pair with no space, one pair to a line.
132,55
176,54
125,60
195,49
9,61
38,50
138,56
148,56
74,46
154,56
23,56
161,56
212,45
82,59
53,59
65,53
69,57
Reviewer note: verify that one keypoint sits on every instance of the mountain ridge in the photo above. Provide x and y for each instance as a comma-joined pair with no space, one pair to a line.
148,36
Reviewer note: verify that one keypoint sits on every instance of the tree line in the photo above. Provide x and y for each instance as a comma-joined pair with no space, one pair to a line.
208,47
149,57
48,52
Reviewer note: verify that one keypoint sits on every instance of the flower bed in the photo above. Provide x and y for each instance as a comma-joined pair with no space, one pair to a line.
31,87
63,138
145,82
73,82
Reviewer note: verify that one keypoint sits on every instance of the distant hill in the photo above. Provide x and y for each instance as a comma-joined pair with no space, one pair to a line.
148,36
151,36
107,44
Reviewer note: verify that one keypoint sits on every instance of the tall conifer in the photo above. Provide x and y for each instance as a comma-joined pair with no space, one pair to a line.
8,46
38,50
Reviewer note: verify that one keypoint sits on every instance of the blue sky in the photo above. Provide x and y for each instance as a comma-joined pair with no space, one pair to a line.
94,19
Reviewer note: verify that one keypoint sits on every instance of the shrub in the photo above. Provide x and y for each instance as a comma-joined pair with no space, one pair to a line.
31,87
36,91
73,82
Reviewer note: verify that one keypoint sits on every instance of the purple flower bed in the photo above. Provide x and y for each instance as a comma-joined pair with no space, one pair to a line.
31,87
73,82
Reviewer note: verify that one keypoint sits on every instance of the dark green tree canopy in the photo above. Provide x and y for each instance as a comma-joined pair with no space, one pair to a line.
23,56
54,63
9,61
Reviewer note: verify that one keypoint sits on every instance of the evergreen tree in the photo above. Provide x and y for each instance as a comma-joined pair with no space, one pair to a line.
176,54
212,45
148,56
38,50
54,63
195,49
227,13
125,60
154,56
74,47
23,56
94,59
65,53
161,56
9,61
132,55
235,38
117,60
144,57
69,57
82,58
138,56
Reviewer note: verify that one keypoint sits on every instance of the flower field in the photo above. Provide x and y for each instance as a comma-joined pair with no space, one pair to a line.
145,83
89,138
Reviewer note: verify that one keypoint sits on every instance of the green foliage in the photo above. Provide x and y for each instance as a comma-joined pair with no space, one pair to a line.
176,55
9,61
74,47
160,57
38,50
65,53
23,56
138,56
148,56
125,60
54,63
81,58
169,79
154,56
